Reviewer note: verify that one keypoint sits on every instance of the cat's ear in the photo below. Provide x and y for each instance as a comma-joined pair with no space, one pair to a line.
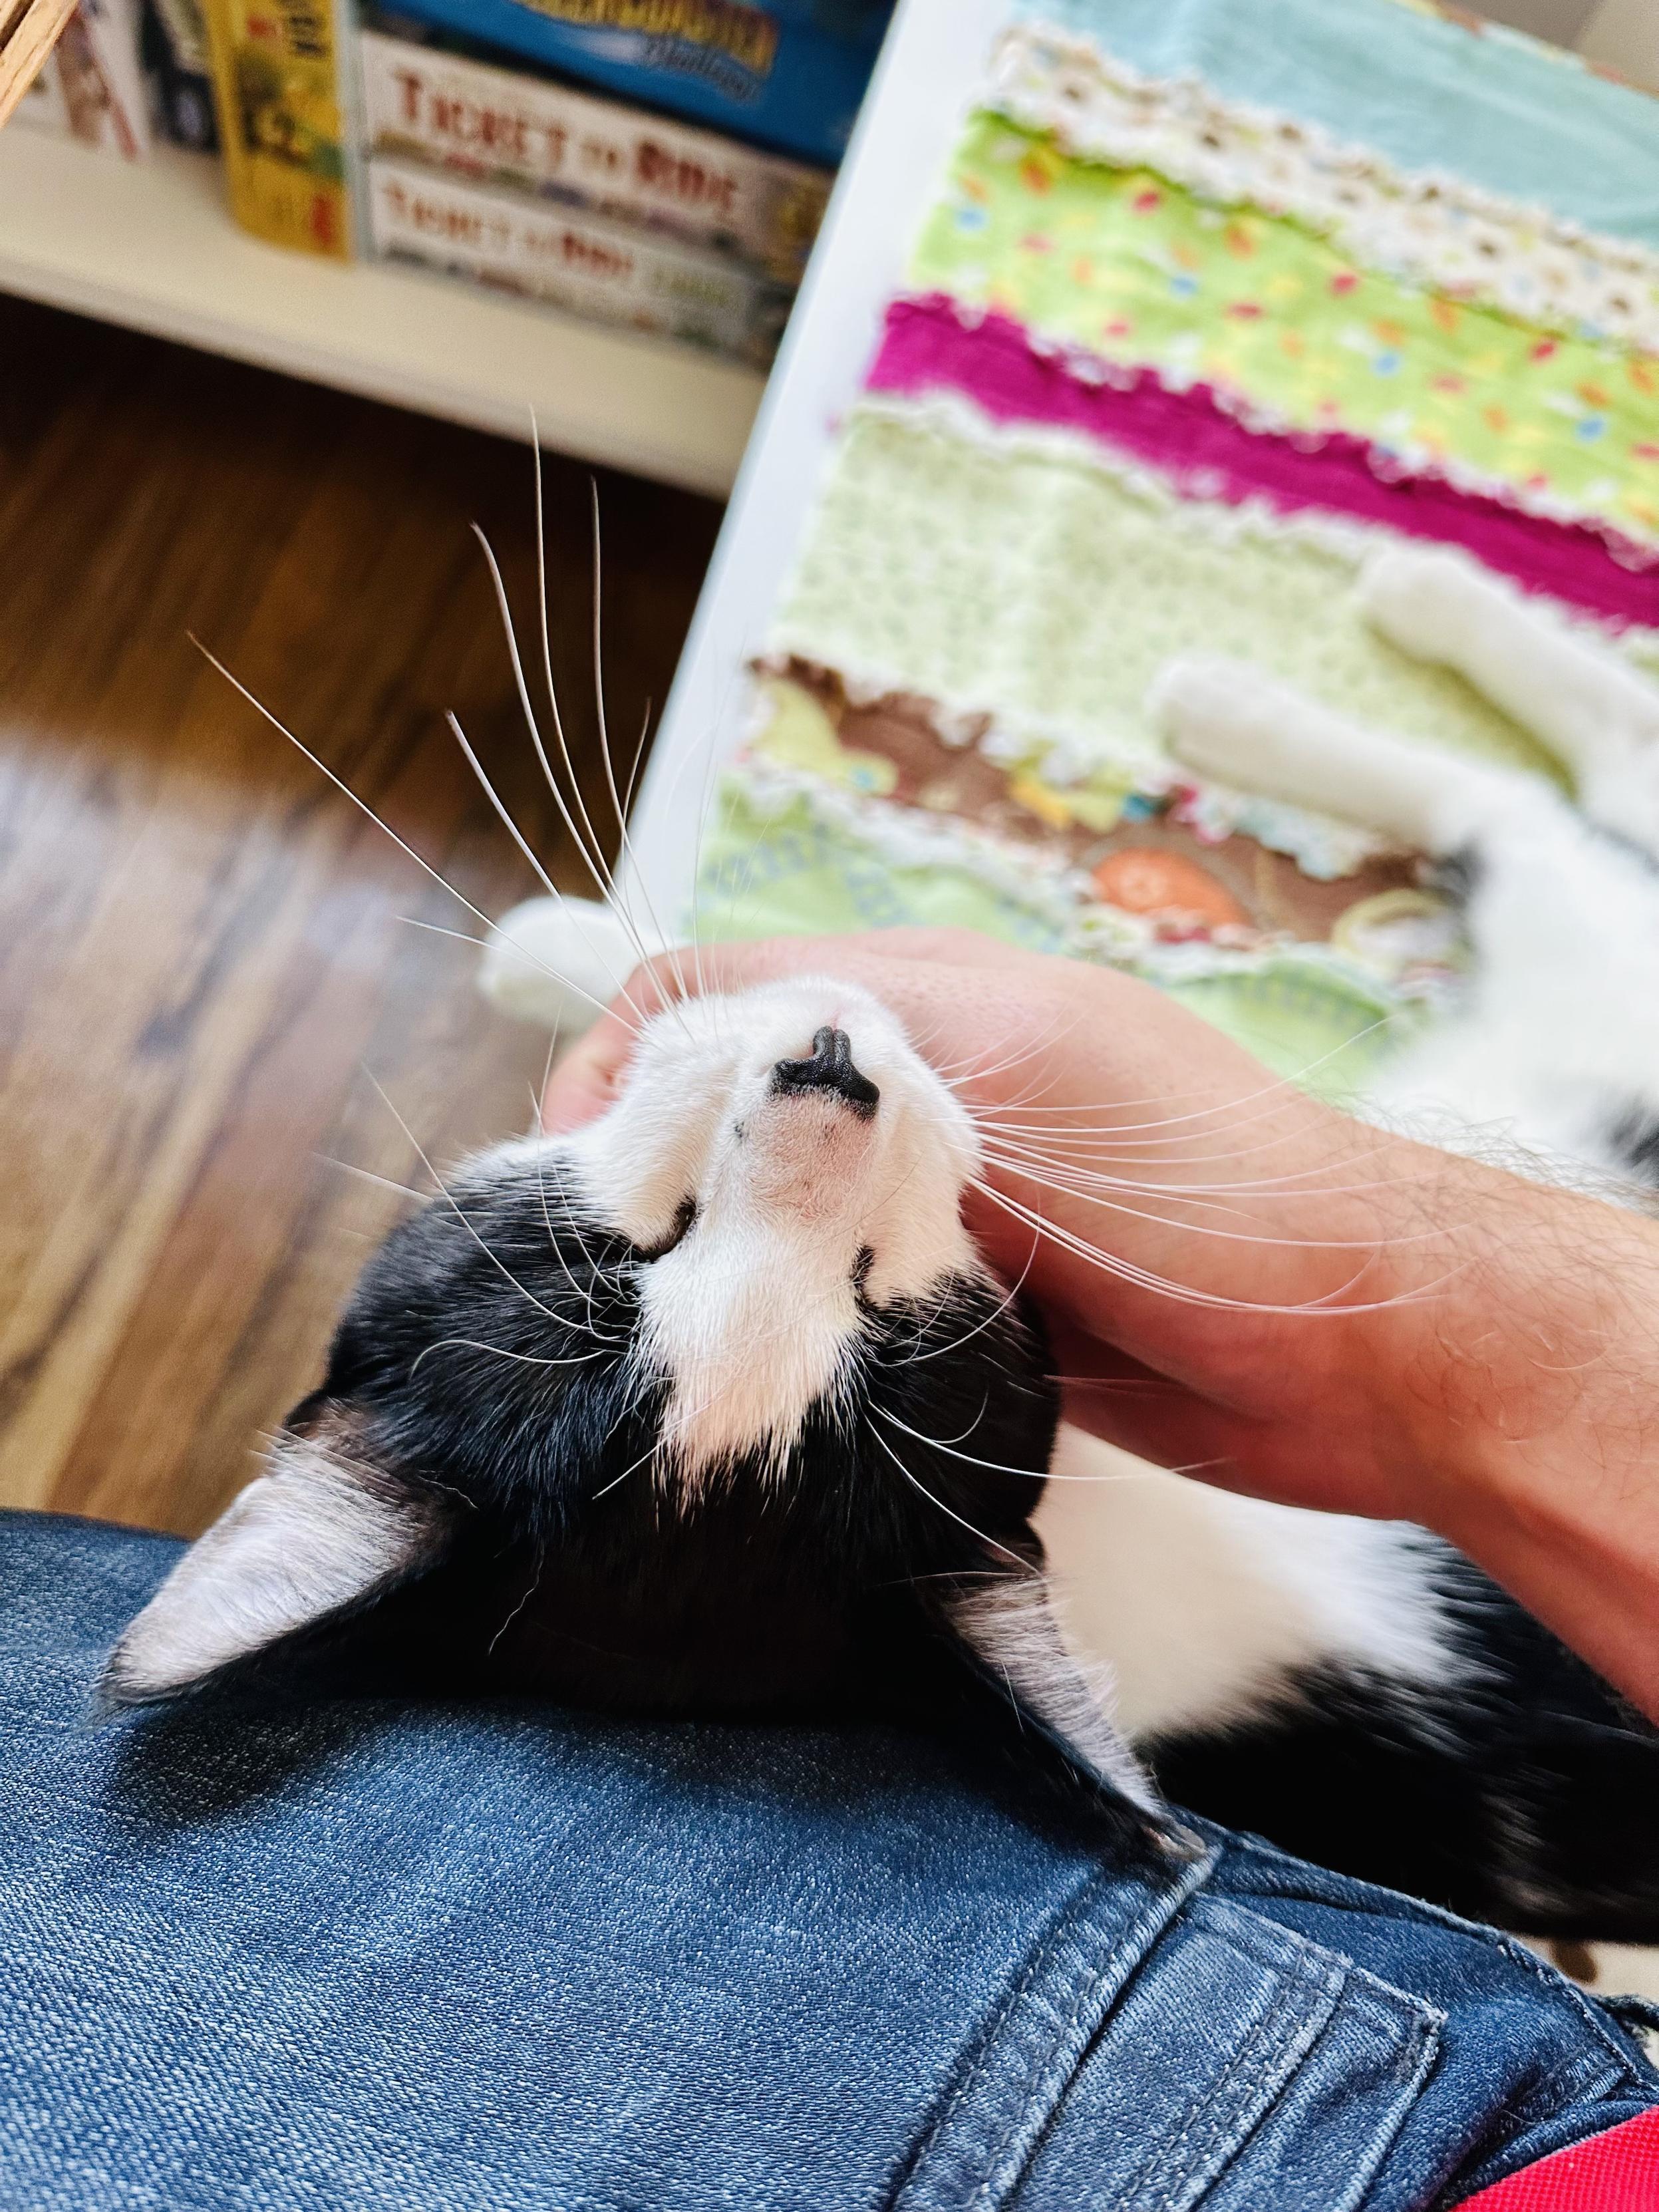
1010,1630
317,1534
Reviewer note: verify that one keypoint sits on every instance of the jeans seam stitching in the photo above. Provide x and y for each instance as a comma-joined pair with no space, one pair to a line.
1298,1985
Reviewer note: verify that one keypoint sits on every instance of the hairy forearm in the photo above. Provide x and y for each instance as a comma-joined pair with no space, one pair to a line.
1527,1393
1413,1336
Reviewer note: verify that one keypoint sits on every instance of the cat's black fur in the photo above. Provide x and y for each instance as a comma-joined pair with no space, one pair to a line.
817,1586
1526,1793
1634,1138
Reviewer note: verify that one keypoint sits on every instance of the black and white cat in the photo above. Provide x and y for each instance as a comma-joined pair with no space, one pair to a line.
641,1417
666,1414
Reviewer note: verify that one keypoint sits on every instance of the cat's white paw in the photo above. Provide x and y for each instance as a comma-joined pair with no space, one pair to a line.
1621,793
1422,601
558,962
1217,715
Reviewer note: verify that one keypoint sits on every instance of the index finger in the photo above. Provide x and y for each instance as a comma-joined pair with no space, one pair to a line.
587,1078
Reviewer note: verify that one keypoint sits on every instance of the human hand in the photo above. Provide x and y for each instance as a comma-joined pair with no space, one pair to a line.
1246,1284
1207,1244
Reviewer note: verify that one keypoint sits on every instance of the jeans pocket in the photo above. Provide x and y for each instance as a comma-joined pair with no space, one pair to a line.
1239,2066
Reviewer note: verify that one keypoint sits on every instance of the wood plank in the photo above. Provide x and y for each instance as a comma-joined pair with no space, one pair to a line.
28,32
200,942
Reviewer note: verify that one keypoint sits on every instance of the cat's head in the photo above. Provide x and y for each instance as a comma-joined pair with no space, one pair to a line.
712,1405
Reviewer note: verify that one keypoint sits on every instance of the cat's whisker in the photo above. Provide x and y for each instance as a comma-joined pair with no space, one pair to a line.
453,721
363,807
466,936
1144,1279
963,1435
969,1459
535,1583
595,1271
368,1175
636,875
666,1437
658,1452
1209,1228
617,1345
582,834
1105,1138
942,1351
1277,1088
636,764
608,887
1104,1141
1086,1184
1046,1474
1055,1155
969,1072
971,1069
524,846
1113,1383
1051,1164
990,1542
1039,1145
1035,1167
619,806
493,1259
584,1292
501,1351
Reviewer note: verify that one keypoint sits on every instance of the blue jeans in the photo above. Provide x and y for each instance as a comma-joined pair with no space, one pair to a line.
401,1958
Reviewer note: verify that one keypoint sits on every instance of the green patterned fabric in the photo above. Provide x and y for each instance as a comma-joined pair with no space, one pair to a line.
1029,577
1022,576
1139,270
770,870
987,571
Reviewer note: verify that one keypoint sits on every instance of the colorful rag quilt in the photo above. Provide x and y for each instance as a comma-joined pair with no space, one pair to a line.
1216,297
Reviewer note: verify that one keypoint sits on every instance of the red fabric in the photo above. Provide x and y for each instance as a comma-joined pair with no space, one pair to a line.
1618,2172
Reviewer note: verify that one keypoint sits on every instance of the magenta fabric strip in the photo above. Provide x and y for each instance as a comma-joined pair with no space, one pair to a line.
929,345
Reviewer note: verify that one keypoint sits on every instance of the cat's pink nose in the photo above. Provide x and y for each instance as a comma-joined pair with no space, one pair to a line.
828,1068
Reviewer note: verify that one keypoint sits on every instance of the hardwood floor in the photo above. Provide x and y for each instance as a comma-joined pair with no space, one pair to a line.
201,948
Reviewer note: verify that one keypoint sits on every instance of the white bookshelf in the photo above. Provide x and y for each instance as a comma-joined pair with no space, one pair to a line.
150,244
931,68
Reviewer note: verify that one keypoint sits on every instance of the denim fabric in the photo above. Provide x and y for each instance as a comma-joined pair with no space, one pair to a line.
422,1958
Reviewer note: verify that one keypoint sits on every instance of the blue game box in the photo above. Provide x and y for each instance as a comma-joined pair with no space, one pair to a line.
788,75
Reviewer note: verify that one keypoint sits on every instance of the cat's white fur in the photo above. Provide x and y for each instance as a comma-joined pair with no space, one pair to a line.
754,1312
1202,1603
1555,1019
1018,1629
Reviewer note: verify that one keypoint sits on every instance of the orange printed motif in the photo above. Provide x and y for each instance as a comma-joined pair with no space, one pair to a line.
1139,880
